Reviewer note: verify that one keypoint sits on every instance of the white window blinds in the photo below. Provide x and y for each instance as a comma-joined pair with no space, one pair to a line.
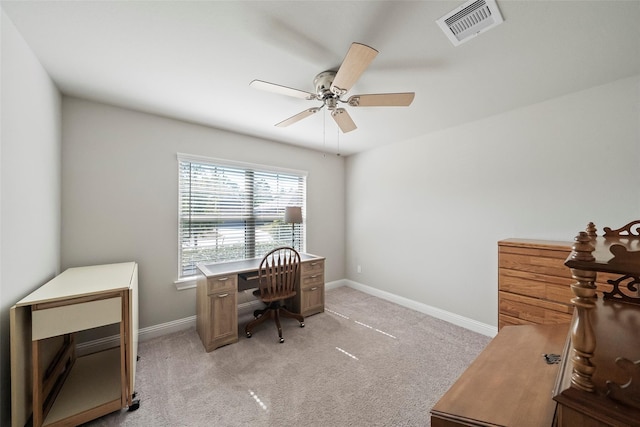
231,212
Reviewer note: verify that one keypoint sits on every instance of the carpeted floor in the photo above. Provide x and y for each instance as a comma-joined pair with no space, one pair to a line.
363,362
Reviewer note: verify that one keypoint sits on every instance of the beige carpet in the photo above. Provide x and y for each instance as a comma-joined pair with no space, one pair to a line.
363,362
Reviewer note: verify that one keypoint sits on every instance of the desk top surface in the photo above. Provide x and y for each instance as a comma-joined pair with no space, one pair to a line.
509,384
83,281
243,266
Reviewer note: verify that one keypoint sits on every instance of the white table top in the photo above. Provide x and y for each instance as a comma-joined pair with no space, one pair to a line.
82,281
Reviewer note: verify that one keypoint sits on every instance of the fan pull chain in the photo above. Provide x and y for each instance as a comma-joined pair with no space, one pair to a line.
324,133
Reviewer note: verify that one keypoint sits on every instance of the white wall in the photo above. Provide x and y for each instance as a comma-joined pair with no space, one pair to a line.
29,185
120,195
424,216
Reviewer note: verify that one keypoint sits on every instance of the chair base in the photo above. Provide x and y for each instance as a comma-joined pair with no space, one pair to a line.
273,310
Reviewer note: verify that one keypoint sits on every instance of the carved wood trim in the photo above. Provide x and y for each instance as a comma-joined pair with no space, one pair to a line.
628,393
631,229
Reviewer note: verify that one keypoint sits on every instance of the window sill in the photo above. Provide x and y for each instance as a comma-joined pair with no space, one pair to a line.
185,283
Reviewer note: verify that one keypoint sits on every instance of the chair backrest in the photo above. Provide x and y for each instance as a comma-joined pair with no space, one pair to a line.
278,273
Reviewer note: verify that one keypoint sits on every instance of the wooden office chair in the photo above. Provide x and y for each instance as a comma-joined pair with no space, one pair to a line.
277,277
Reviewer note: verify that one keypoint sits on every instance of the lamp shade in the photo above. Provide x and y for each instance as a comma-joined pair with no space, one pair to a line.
293,214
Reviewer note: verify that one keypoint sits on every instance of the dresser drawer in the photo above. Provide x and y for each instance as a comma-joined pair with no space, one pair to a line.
534,310
552,288
539,264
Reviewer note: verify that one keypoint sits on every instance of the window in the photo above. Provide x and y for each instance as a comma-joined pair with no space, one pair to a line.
231,211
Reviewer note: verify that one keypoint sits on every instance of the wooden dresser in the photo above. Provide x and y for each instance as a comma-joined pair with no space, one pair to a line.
533,282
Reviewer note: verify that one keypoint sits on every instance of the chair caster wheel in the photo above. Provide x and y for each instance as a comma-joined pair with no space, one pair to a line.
302,324
248,334
281,340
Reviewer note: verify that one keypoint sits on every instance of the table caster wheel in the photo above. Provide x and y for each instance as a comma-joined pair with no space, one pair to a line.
134,405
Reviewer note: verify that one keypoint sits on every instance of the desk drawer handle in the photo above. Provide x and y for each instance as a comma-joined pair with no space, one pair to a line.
314,288
314,263
223,279
314,276
223,295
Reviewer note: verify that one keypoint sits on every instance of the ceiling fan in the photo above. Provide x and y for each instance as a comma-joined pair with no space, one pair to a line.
331,86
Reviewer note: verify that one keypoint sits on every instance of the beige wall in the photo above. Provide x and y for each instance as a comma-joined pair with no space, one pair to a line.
424,216
29,184
120,195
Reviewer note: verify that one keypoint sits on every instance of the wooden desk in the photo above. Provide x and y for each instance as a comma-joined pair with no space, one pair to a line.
47,380
217,299
509,384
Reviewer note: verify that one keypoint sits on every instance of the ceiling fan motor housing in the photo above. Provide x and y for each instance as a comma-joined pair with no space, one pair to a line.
322,83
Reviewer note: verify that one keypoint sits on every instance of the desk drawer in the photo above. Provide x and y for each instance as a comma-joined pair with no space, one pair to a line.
226,283
64,319
312,267
312,280
311,300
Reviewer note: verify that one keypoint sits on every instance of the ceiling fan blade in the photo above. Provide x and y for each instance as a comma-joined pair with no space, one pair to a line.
382,100
293,119
343,119
355,62
282,90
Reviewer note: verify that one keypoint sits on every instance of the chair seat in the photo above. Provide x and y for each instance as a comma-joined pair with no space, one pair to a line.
270,297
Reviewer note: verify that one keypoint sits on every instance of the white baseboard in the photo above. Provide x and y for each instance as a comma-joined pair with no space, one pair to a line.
456,319
156,331
244,309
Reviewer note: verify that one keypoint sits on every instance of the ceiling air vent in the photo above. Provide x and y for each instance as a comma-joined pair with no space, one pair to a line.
469,20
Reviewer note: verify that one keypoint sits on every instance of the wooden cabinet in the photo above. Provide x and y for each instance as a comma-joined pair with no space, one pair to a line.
217,310
47,379
533,282
310,297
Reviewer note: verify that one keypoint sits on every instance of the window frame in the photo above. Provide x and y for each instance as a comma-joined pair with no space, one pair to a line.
252,169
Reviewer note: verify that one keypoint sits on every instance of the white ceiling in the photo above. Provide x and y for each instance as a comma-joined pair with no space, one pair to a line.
193,61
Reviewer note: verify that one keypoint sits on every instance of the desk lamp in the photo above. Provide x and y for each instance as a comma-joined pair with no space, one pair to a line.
293,216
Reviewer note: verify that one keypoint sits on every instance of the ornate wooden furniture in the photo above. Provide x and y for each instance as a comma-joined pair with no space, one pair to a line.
216,295
597,379
599,384
48,380
278,277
